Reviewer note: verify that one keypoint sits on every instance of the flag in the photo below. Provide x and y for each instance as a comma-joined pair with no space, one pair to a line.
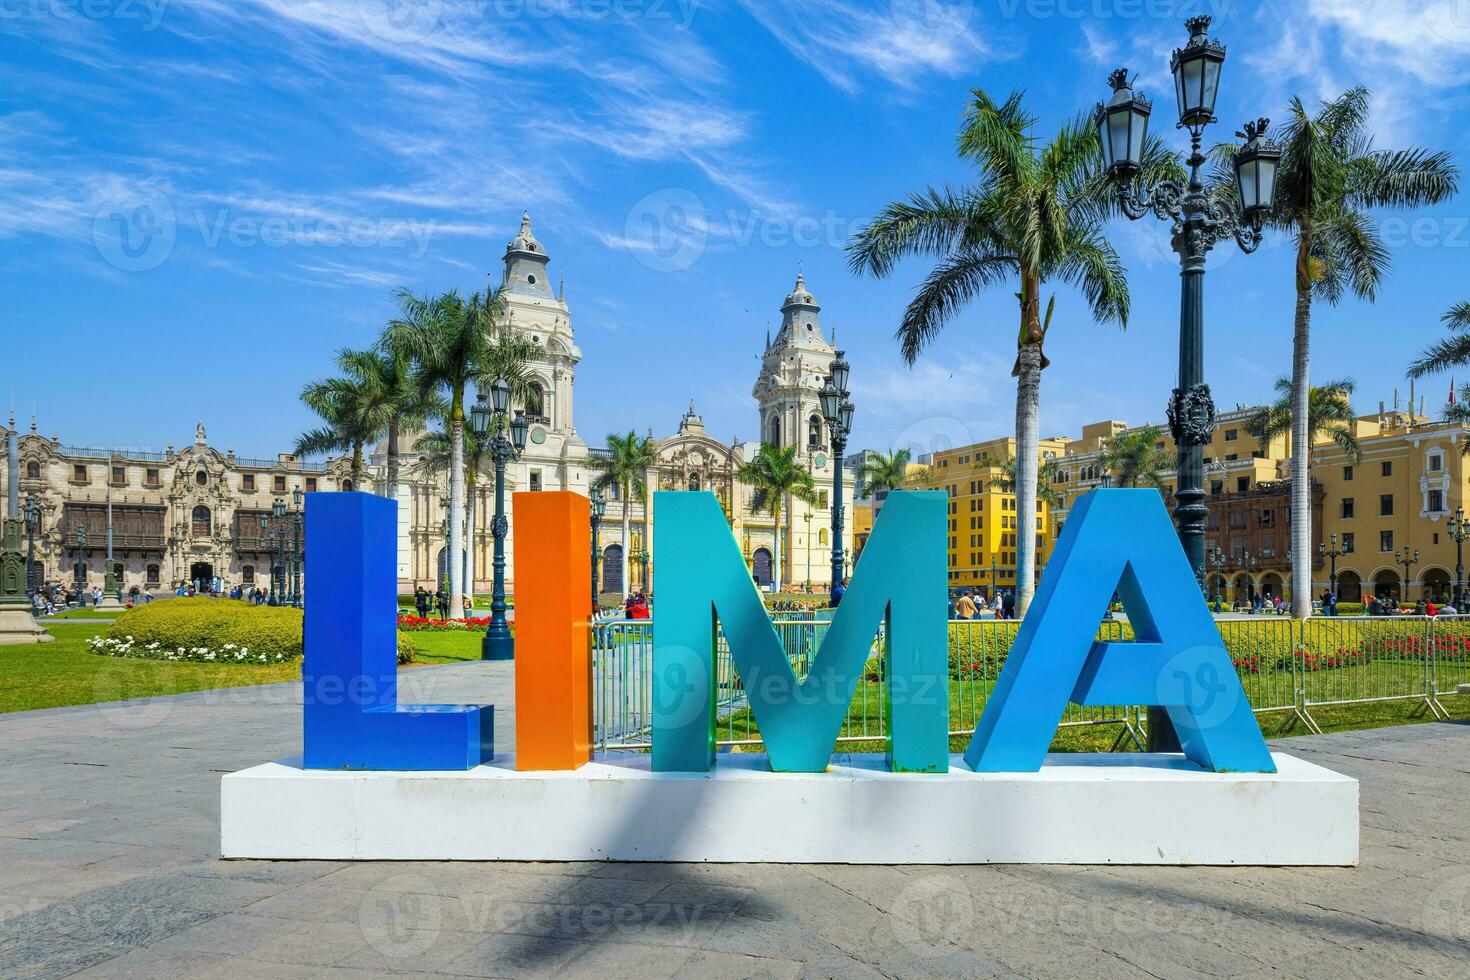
1452,391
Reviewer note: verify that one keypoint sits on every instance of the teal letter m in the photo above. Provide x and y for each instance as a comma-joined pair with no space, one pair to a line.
703,582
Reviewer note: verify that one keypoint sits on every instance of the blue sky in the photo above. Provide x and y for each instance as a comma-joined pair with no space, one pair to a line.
201,200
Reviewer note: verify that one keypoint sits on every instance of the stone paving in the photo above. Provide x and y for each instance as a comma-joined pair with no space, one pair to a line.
109,867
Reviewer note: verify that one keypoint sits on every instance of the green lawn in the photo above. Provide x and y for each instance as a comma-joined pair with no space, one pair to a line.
447,646
52,675
87,613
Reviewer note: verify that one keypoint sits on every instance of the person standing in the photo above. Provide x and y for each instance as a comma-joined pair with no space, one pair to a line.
965,606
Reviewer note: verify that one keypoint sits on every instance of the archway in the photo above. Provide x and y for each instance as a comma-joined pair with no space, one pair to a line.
1271,586
201,575
1386,584
612,568
1435,583
760,567
1241,589
1349,586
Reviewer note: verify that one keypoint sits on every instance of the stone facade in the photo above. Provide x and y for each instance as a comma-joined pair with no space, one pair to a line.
193,513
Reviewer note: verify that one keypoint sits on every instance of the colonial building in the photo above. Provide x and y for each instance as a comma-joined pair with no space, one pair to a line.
194,513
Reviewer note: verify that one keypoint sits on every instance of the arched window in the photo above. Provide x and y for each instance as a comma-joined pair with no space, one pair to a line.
822,537
347,485
201,478
773,430
33,470
202,522
814,431
694,482
536,401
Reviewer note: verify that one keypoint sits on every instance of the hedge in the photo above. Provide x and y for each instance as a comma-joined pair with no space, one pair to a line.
202,626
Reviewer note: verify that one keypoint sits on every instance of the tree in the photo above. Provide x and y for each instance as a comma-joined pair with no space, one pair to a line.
1330,178
884,471
1046,478
1136,458
1328,409
437,449
1452,352
1035,216
344,405
629,459
396,397
775,474
454,342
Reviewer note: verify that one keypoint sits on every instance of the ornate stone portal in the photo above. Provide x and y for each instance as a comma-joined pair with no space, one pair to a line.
17,625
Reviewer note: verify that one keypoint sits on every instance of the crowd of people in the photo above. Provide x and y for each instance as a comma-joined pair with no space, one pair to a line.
975,604
426,602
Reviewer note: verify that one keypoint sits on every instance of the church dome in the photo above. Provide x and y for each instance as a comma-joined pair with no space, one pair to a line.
525,240
799,296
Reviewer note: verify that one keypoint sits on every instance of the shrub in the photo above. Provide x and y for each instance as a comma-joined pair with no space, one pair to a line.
408,651
207,629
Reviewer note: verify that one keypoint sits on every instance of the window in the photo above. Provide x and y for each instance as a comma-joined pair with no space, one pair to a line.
278,484
310,484
247,575
150,478
1347,543
247,482
1387,467
1217,487
1230,435
1436,501
1267,517
1242,484
535,479
822,538
1347,472
773,431
201,522
79,472
1346,510
347,486
151,575
33,470
1385,540
201,478
1231,457
119,475
536,400
1237,518
814,431
1385,505
822,500
694,481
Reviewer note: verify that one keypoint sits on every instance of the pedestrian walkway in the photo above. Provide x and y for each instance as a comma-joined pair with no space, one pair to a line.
109,844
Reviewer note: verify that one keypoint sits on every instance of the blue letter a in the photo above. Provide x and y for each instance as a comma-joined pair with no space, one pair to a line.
702,578
1123,541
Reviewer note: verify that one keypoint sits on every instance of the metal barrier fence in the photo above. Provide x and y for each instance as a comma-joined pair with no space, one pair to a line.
1284,665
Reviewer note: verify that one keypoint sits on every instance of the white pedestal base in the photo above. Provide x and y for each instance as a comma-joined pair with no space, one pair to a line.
1080,809
18,627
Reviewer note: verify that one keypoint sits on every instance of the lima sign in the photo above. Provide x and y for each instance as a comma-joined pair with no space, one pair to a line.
1113,541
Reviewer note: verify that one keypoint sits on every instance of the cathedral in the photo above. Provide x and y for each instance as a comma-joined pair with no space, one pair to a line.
201,514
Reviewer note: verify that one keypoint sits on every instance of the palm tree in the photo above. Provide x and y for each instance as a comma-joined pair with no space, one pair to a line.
1136,458
1035,216
1449,353
775,474
1046,478
1328,408
629,459
397,396
345,407
456,341
1330,178
437,449
884,471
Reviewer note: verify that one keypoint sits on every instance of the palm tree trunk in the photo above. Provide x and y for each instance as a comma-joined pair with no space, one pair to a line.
779,563
356,465
392,488
1028,407
456,507
1301,445
469,551
627,531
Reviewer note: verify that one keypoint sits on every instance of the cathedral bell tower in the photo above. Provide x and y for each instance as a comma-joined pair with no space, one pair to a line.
790,381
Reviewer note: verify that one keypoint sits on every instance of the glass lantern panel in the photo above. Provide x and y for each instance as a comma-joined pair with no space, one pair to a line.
1211,83
1136,136
1118,125
1192,72
1249,184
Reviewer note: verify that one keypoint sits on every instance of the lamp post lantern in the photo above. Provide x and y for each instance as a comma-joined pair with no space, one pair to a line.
298,552
32,514
1459,532
81,567
599,508
494,420
1403,558
1200,220
1331,554
1219,560
837,410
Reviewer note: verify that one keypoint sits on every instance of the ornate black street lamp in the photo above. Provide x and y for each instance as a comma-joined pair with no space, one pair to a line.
837,410
1459,532
599,508
32,514
1200,219
81,567
1219,560
643,568
498,643
1331,554
1403,558
298,553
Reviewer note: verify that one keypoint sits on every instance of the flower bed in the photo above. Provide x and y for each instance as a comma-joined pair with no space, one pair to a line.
205,630
229,653
420,624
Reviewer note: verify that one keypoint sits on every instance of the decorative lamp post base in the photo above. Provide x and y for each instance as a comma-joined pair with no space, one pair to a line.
498,646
